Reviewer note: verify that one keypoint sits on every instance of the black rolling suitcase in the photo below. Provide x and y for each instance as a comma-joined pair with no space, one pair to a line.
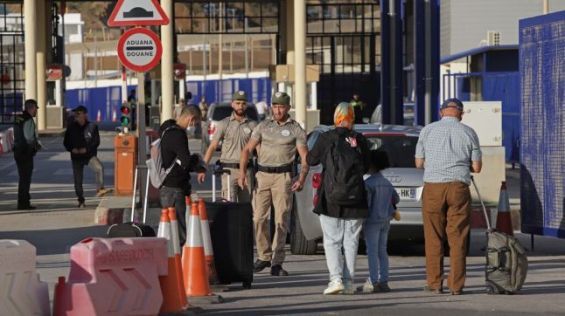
506,261
231,230
133,229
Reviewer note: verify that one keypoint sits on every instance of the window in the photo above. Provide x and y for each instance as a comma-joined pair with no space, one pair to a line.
400,149
227,17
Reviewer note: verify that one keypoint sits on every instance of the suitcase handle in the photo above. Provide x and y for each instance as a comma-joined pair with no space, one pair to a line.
135,192
489,227
218,172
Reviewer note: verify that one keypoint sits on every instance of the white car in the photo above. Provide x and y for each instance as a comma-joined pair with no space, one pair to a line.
400,143
216,113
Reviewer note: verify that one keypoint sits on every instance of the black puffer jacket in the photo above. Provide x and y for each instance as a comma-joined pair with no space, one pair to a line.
174,145
86,136
318,155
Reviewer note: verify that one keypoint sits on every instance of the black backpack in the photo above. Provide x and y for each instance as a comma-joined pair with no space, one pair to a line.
343,174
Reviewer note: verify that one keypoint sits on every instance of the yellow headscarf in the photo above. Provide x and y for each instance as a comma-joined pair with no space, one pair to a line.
344,113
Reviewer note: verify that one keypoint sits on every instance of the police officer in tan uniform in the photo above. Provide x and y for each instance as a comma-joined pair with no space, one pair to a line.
234,132
280,138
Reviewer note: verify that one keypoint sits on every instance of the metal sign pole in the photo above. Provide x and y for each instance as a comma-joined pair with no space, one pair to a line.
141,137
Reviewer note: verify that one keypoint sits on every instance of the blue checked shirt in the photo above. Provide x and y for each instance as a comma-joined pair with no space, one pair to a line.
448,147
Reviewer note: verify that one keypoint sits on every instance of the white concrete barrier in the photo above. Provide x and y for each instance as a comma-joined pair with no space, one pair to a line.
21,292
6,140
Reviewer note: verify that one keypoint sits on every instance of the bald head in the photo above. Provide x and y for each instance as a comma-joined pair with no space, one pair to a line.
452,111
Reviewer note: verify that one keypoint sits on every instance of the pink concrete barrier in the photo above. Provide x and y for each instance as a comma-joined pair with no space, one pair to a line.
21,292
114,276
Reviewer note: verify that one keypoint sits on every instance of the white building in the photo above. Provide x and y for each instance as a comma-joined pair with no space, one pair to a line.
74,30
465,23
74,27
470,24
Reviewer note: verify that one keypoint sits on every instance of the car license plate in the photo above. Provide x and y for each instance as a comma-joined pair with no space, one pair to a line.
406,193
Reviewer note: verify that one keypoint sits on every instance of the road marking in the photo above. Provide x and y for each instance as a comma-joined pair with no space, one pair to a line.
9,165
63,172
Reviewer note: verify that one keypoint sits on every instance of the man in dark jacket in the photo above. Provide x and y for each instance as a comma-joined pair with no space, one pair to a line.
341,220
174,150
26,145
82,140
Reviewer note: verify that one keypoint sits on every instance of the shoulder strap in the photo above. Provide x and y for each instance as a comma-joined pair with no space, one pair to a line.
168,129
176,160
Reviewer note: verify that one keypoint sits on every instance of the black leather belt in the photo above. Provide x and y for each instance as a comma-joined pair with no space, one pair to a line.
233,165
280,169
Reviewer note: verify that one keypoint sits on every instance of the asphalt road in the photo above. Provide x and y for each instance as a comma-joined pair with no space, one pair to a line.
58,224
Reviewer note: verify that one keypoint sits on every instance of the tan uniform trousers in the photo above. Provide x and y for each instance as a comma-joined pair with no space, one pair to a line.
446,210
275,188
237,194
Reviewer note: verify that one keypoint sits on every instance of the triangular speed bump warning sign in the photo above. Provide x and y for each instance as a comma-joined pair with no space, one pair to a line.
137,13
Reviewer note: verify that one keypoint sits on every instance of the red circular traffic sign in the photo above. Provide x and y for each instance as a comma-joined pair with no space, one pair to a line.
139,49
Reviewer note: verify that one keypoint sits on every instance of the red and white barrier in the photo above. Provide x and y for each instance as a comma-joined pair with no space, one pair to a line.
21,292
6,140
114,276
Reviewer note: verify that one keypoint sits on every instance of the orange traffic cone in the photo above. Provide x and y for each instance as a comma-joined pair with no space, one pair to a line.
504,219
176,248
188,202
173,301
193,260
207,238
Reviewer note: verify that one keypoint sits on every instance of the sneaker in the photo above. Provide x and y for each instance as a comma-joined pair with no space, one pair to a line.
277,270
334,287
260,265
382,287
102,192
367,287
348,288
81,204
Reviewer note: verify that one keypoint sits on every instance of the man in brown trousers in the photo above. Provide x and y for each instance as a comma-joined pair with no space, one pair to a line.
448,151
280,139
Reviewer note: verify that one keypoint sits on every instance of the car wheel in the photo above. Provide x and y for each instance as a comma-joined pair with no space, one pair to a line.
299,245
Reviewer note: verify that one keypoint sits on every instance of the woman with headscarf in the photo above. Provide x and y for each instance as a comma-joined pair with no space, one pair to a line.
344,155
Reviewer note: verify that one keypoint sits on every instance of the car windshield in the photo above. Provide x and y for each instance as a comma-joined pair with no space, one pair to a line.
400,149
221,112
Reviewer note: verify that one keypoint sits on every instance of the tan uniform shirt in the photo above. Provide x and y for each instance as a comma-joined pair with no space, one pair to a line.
235,135
278,142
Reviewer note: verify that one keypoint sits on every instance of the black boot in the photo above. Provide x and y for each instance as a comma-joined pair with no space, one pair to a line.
260,265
